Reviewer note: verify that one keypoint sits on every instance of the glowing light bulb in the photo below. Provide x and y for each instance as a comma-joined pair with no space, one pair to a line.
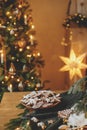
28,47
6,77
29,56
18,80
20,49
32,26
38,54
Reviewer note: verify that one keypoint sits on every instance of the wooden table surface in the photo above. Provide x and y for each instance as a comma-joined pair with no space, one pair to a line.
8,109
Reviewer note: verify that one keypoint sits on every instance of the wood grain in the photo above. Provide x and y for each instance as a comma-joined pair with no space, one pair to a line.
8,108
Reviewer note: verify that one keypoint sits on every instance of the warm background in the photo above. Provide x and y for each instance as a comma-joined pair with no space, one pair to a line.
48,16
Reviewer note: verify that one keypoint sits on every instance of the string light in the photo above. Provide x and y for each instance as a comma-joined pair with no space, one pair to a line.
31,39
79,19
34,54
38,54
16,34
2,56
17,129
67,38
32,26
17,60
7,13
20,49
10,17
6,77
18,80
28,47
12,77
28,123
3,82
25,19
13,58
20,6
0,24
8,28
28,55
14,23
32,77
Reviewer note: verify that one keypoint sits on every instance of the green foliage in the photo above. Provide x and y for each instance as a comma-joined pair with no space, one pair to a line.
78,19
24,121
1,77
19,47
79,86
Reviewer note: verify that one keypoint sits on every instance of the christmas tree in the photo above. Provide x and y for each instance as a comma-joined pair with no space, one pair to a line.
20,61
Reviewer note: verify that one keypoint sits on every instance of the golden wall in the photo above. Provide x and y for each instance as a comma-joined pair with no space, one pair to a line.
48,17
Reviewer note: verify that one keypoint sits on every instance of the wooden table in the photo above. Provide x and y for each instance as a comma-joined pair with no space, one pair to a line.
8,108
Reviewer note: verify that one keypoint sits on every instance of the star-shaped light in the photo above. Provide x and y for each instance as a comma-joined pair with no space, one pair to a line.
73,64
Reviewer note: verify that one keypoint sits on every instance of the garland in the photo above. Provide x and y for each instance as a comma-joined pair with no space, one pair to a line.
79,19
76,20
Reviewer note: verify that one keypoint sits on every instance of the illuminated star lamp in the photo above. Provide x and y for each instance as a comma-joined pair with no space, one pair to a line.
73,64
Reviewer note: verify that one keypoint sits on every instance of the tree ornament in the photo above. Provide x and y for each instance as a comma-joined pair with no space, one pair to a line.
12,32
2,22
19,15
25,19
32,39
2,56
25,68
2,53
12,69
8,13
38,85
30,19
21,43
16,11
20,86
6,77
10,87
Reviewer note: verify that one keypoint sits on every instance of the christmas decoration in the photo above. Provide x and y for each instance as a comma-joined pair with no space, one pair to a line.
20,86
79,19
10,88
72,21
19,56
12,69
48,99
77,121
56,117
73,64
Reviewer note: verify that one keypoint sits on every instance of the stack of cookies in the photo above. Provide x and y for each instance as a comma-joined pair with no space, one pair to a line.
41,99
